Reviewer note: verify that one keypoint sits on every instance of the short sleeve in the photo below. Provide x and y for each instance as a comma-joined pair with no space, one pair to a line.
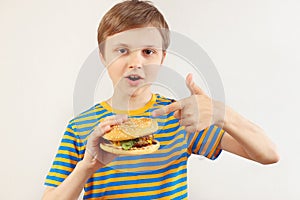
69,153
205,142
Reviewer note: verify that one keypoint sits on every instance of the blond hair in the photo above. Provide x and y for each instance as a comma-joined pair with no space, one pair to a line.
132,14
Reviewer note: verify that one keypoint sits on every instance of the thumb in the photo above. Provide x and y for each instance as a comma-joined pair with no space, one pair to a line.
194,89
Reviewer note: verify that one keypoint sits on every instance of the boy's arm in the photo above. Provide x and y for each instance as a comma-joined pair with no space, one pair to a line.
72,186
242,137
246,139
94,158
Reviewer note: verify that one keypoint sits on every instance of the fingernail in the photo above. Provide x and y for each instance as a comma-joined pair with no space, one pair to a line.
153,114
107,128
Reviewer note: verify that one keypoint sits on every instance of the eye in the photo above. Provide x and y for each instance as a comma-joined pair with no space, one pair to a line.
148,51
122,50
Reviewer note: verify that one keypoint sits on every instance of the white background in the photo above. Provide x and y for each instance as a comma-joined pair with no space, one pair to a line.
254,45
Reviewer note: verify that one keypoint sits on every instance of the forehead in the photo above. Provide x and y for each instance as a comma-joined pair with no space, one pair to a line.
135,38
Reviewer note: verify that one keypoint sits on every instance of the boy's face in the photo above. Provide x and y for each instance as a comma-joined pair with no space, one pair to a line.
133,58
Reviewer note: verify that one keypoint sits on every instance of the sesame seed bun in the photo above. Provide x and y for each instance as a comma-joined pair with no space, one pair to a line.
131,129
135,151
134,129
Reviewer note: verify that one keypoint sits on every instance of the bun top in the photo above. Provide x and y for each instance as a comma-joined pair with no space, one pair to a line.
131,129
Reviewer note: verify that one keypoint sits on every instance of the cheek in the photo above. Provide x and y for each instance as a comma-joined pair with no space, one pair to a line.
151,71
114,72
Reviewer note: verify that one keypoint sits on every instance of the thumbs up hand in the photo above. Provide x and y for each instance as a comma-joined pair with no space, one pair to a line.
194,89
194,112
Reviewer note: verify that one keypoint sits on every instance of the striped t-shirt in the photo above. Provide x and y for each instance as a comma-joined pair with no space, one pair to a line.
161,175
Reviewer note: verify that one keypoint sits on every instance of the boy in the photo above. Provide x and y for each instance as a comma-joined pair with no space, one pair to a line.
133,38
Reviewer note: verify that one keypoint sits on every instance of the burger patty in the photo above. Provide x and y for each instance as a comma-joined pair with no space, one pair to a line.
144,141
138,142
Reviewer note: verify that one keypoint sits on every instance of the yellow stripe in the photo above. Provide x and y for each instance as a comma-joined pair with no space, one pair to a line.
110,172
147,193
70,130
70,138
63,176
77,140
65,144
64,152
173,196
80,118
212,133
216,144
169,134
96,115
59,167
165,143
148,160
87,125
130,186
52,182
65,160
182,167
140,111
192,142
146,168
93,117
201,140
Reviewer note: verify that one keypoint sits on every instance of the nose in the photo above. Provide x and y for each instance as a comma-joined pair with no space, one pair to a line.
135,60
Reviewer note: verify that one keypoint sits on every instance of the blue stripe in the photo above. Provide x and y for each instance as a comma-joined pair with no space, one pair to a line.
64,139
213,141
94,108
169,130
69,141
60,171
130,158
88,121
97,115
86,129
184,196
164,103
50,184
65,148
64,164
91,126
137,190
95,121
170,138
205,139
55,178
140,181
149,164
68,133
165,123
124,174
66,156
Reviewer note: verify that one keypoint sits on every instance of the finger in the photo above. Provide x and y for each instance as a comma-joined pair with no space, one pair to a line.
177,114
114,120
194,89
185,122
190,129
117,118
167,109
101,129
107,124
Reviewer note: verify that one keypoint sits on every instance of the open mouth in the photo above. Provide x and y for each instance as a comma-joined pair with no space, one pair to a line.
134,77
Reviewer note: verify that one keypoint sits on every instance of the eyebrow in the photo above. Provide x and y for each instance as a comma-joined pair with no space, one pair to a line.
126,45
120,44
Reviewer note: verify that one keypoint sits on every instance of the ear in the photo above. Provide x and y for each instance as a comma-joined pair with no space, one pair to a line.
163,56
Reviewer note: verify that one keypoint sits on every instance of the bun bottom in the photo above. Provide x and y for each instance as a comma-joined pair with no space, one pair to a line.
138,151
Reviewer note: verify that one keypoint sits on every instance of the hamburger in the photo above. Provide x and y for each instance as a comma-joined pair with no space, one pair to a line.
133,137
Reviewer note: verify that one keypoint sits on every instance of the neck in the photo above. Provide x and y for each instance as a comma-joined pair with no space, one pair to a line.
121,101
